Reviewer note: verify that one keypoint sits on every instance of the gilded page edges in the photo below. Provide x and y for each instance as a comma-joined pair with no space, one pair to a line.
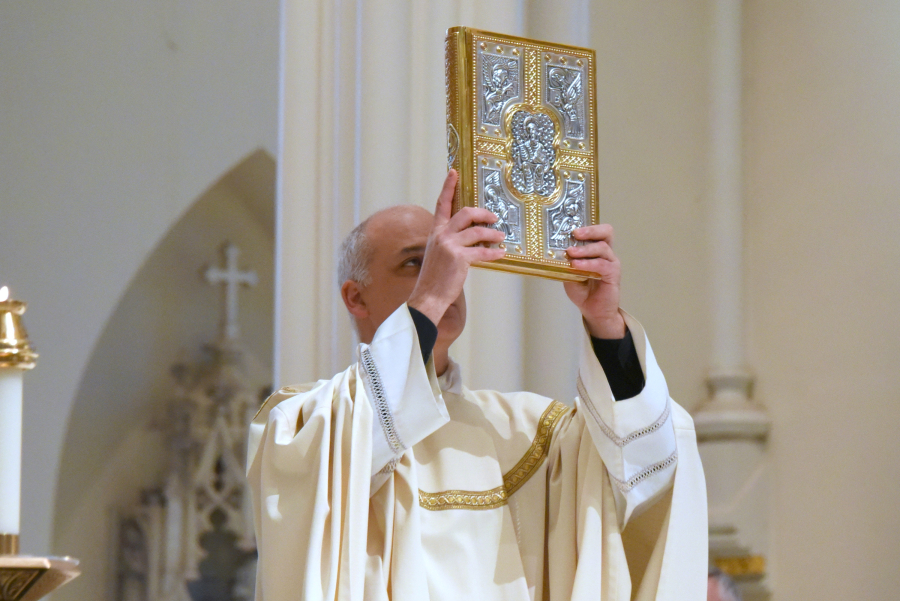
459,142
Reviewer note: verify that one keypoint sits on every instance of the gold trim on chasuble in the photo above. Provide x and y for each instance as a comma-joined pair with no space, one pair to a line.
513,480
284,390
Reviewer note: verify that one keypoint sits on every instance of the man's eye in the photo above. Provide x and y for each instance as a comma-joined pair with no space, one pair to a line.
414,262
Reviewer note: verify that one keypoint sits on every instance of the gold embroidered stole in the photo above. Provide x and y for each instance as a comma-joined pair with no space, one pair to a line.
513,480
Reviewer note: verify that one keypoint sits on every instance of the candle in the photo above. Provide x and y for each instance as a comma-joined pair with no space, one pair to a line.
16,356
10,448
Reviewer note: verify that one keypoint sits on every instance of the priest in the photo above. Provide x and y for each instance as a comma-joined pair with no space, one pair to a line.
392,480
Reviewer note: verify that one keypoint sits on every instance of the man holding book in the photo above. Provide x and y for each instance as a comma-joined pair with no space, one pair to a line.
392,480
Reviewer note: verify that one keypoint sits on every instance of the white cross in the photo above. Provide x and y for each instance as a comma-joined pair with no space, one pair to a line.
231,278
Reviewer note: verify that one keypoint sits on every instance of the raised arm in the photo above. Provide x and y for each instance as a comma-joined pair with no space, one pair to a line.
634,436
402,389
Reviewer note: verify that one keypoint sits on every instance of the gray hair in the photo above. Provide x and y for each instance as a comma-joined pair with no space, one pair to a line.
353,263
728,590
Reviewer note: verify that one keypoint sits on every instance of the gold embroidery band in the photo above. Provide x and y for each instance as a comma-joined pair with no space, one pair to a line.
519,475
463,499
513,480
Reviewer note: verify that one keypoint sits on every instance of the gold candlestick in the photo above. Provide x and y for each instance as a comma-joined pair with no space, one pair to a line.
23,577
15,348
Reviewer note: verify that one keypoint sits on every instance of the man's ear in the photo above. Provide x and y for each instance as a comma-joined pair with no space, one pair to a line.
351,294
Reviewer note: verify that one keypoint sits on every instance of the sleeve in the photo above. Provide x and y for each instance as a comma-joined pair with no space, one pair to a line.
634,437
404,393
317,455
620,363
308,471
661,555
426,331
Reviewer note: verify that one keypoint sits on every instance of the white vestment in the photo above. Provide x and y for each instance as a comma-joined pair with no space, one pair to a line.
386,482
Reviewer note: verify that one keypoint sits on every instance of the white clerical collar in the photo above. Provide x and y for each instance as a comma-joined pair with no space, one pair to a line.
451,380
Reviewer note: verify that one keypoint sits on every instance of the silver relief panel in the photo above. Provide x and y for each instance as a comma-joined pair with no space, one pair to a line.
496,200
499,82
565,92
566,215
452,145
533,154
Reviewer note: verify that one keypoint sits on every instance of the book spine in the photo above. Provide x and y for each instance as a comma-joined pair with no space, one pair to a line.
459,125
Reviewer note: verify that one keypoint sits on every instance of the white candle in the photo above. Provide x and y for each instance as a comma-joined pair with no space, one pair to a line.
10,448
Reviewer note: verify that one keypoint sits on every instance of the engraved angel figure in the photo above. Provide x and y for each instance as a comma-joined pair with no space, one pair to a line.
496,204
497,90
567,219
564,92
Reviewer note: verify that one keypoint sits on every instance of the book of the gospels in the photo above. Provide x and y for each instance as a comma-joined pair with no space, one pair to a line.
522,134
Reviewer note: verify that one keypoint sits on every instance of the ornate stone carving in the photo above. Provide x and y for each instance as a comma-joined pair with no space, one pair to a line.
14,582
191,536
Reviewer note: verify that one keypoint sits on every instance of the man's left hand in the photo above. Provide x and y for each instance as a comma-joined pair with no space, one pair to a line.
598,300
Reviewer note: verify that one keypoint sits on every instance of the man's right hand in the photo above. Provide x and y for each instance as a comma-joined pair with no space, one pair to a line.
452,246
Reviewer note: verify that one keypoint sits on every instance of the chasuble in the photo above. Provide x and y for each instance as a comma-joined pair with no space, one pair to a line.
387,482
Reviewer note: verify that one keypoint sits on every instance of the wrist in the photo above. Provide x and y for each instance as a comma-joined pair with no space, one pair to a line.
430,306
607,327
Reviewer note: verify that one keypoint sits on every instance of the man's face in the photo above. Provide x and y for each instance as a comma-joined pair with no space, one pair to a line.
397,239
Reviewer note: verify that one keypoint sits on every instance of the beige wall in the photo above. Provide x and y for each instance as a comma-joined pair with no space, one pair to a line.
823,217
114,118
653,87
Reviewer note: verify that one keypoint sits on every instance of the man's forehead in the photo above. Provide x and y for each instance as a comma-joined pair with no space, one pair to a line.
397,228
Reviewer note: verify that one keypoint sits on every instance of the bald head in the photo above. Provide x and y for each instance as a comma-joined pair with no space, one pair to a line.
380,263
356,250
398,220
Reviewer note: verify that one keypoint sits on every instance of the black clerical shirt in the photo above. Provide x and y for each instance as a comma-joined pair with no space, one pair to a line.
618,357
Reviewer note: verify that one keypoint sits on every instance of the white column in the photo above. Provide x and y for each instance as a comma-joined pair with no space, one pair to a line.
726,209
385,117
563,21
729,411
318,184
297,189
730,426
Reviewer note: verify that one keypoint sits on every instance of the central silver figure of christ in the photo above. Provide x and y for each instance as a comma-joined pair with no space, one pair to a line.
533,153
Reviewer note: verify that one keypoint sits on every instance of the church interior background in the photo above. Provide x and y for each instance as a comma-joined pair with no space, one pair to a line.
749,154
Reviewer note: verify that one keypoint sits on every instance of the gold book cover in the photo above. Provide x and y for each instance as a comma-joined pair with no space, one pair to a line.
522,134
